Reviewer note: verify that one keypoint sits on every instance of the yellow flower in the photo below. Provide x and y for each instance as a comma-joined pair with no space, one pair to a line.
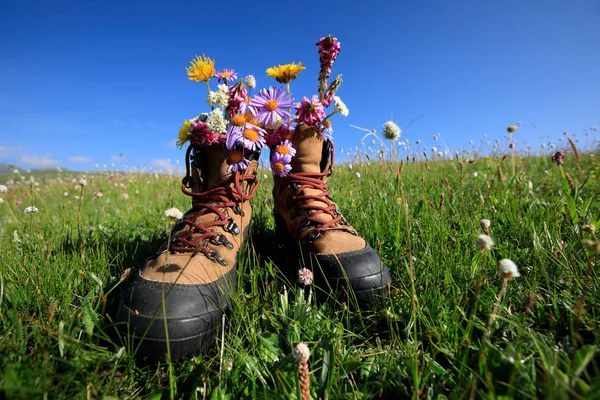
184,133
202,69
511,129
285,73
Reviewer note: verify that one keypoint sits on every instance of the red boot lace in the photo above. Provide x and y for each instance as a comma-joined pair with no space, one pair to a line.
313,180
227,193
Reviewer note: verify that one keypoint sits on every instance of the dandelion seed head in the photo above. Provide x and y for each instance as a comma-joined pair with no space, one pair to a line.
391,130
484,242
508,269
173,213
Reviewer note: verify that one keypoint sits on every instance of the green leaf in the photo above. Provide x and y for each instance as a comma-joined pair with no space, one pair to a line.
583,358
89,318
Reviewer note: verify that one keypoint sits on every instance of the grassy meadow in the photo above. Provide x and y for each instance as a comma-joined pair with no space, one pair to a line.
451,328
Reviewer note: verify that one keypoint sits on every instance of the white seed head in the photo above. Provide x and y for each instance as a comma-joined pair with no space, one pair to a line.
391,130
508,268
82,182
301,352
174,213
484,242
250,81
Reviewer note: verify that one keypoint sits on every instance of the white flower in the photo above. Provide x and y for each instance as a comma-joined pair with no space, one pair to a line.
31,209
349,166
475,174
125,196
66,194
301,352
219,98
357,174
305,276
174,213
391,130
215,121
250,81
3,189
508,268
16,171
339,106
484,242
82,182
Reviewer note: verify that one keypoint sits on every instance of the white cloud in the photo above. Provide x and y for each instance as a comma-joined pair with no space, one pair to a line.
80,159
118,157
37,161
170,145
164,165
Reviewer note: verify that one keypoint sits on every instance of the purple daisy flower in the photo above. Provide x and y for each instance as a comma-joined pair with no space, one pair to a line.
226,75
237,160
268,105
280,164
285,148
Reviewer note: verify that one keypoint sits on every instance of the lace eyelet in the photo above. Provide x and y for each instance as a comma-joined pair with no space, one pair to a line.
232,227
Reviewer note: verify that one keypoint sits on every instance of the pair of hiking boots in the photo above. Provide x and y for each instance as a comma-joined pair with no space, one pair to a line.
178,297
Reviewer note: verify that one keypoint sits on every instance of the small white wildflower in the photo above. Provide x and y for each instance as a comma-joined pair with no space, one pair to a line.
484,242
250,81
66,194
357,174
305,276
82,182
31,209
349,166
339,106
16,171
3,189
265,176
219,98
216,122
530,186
174,213
508,269
125,196
391,130
301,352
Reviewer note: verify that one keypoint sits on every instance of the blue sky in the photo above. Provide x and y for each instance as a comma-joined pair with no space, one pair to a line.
84,81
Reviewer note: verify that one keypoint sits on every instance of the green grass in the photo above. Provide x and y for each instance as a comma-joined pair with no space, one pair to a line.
61,279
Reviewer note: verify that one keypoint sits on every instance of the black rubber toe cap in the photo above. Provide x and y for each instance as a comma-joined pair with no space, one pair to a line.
192,313
362,269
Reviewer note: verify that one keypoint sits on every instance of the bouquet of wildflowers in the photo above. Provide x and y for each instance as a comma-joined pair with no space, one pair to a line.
244,124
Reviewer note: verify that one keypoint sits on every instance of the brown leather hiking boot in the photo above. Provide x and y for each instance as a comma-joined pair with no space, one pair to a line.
195,272
306,214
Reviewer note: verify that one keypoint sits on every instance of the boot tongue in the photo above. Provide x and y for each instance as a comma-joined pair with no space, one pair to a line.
309,158
309,150
214,166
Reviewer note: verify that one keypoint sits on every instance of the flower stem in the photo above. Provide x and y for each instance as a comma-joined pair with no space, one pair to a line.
212,107
486,335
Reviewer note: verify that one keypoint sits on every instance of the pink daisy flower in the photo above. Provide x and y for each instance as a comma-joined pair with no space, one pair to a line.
268,105
310,112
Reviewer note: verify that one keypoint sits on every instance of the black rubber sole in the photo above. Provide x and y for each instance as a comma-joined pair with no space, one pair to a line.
366,285
188,335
